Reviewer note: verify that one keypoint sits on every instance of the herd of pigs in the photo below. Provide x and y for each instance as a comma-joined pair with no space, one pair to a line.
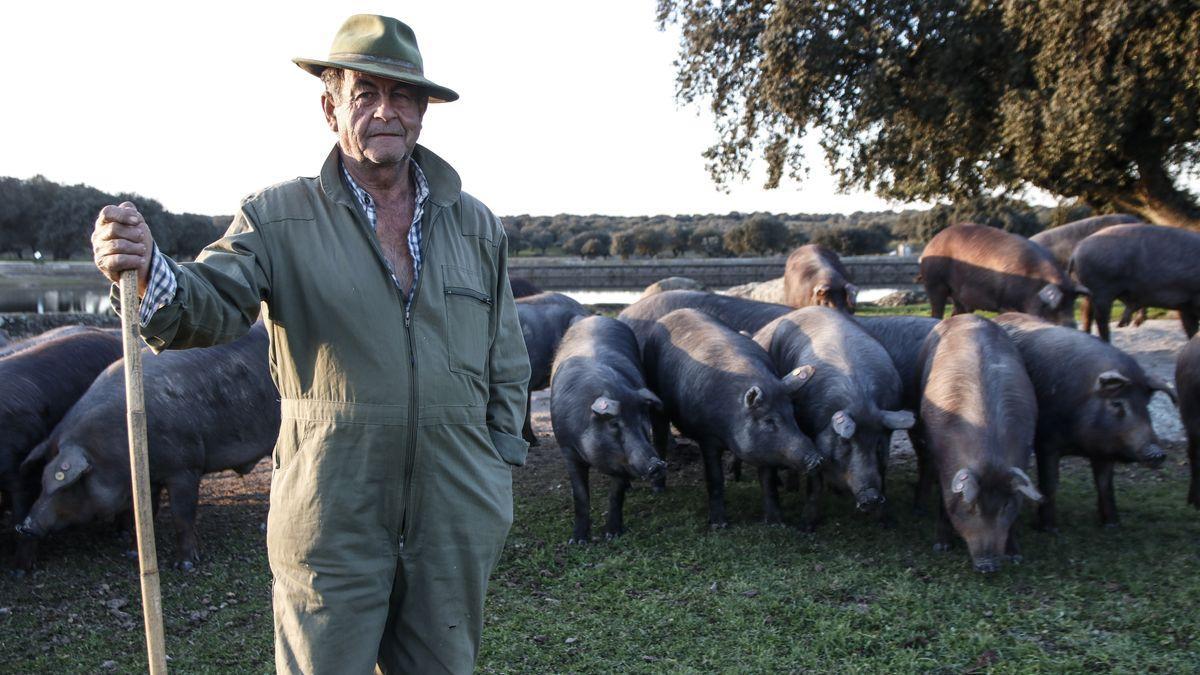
805,388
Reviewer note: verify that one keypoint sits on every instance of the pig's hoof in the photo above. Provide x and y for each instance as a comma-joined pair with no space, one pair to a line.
808,526
581,541
1194,500
658,488
1016,558
611,536
131,554
17,573
941,546
185,566
1111,525
718,524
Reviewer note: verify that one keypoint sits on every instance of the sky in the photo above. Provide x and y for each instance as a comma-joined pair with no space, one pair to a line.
566,106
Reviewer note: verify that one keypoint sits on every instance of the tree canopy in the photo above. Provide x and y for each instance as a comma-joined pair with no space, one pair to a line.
955,99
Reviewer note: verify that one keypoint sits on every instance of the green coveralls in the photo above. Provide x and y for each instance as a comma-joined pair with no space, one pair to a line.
392,490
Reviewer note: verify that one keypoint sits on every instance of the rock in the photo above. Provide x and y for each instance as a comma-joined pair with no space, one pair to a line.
765,291
673,284
901,298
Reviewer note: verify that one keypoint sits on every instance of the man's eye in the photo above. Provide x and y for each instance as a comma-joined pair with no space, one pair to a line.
364,97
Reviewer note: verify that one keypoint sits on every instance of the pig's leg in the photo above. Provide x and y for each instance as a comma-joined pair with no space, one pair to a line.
1194,464
184,490
959,308
943,536
1102,311
1102,473
811,515
1126,316
527,429
886,517
1012,548
1190,320
736,469
925,478
660,431
714,476
581,496
792,480
768,478
1047,463
615,525
1085,311
1140,318
937,300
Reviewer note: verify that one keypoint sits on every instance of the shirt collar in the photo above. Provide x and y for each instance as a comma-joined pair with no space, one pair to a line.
364,198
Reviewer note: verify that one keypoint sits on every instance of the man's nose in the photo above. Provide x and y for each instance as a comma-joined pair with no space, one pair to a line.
386,111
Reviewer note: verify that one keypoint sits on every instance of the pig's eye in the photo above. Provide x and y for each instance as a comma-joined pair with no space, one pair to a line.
1117,408
770,422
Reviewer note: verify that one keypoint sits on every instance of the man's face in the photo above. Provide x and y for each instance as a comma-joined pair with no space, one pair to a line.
377,120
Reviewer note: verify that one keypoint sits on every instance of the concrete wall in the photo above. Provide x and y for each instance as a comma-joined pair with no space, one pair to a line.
575,274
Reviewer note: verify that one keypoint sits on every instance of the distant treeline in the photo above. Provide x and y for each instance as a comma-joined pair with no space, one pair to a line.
39,215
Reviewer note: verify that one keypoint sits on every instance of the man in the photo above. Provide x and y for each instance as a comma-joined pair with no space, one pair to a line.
400,365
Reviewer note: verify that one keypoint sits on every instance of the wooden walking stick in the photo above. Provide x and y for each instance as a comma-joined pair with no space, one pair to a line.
139,465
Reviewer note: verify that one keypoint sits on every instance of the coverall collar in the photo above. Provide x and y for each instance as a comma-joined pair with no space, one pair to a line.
444,183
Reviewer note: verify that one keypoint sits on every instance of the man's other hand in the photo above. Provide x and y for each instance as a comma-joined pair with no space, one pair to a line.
121,241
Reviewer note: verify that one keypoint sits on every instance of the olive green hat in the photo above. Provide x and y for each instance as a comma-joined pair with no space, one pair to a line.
378,45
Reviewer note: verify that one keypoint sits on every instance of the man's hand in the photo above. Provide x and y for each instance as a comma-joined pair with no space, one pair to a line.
122,241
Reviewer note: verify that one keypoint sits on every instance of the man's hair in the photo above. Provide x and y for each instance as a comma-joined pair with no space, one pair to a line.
333,79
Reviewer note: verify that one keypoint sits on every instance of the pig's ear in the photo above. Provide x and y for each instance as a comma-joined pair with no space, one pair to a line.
650,398
605,408
1021,483
795,380
38,456
851,296
69,466
820,291
1110,383
843,424
897,419
753,397
966,485
1156,384
1051,295
1080,289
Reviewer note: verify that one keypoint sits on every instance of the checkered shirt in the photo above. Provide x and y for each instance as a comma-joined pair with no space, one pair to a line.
414,231
160,290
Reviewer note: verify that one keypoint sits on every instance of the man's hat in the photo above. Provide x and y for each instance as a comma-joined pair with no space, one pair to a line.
378,45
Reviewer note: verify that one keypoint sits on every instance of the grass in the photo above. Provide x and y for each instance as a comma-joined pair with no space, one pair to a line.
671,595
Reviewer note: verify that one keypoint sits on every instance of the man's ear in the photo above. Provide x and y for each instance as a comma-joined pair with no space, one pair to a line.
327,108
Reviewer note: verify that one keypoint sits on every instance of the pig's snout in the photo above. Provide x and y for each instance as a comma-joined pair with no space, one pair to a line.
987,565
27,528
1152,456
656,470
813,461
870,500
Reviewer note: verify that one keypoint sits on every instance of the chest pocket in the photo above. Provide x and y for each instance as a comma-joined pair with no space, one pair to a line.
468,319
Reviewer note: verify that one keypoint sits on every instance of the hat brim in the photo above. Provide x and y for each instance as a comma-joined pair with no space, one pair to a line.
437,93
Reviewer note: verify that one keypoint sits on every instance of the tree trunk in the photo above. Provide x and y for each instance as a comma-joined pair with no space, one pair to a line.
1155,198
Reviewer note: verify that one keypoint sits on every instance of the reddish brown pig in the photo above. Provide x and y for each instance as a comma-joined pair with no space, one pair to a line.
1187,381
815,276
985,268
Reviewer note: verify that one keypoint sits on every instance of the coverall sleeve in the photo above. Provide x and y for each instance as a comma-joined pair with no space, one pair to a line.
218,296
508,369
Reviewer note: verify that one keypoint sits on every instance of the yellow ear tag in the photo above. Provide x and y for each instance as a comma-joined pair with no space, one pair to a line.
60,476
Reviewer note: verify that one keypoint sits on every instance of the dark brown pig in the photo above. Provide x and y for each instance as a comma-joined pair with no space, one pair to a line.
1061,241
815,276
1187,379
721,390
522,288
38,385
1092,402
739,314
206,410
53,334
985,268
978,409
850,407
1142,266
604,417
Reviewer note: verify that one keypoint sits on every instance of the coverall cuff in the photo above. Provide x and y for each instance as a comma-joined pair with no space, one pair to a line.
158,325
512,449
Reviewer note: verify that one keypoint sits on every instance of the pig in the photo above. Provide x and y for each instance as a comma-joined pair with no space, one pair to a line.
814,275
522,287
737,313
604,417
849,407
986,268
37,386
1061,242
544,318
1142,266
721,390
207,410
53,334
979,410
1092,402
1187,379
